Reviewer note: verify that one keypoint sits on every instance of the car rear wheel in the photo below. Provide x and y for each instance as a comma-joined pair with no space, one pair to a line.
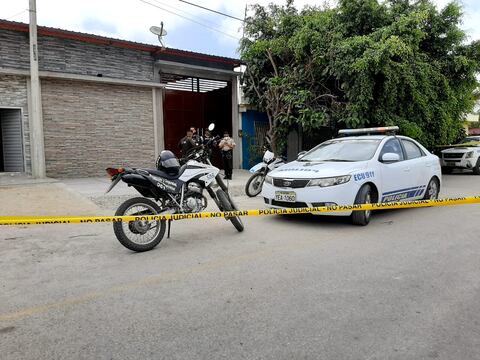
432,191
364,196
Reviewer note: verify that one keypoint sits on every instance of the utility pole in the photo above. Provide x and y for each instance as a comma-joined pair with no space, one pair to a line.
35,113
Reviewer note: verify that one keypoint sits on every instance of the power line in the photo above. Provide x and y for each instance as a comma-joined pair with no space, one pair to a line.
211,10
192,20
13,16
188,13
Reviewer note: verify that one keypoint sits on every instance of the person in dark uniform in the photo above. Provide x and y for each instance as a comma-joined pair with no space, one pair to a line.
187,143
226,146
195,136
207,136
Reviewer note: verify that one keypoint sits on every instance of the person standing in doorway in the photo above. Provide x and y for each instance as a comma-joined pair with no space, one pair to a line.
195,136
226,146
207,136
187,143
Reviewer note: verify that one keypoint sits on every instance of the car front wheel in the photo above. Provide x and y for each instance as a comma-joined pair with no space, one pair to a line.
364,196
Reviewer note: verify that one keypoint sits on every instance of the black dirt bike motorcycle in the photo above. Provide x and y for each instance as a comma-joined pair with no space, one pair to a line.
170,189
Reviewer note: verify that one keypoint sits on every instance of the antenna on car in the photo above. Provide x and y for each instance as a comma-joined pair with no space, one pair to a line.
160,32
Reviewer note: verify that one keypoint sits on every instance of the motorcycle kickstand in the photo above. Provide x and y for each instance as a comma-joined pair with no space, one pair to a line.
169,225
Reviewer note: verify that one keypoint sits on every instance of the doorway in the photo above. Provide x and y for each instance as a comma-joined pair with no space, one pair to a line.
197,102
11,141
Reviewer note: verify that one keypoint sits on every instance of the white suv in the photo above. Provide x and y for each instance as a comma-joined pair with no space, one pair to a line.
465,155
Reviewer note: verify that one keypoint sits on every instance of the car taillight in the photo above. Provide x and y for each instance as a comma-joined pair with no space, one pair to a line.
113,172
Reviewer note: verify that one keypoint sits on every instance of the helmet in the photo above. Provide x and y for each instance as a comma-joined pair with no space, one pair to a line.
168,162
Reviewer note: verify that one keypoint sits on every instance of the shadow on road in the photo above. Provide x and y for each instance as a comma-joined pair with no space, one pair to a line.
378,216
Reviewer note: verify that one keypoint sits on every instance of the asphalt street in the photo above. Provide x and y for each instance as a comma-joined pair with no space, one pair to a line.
407,286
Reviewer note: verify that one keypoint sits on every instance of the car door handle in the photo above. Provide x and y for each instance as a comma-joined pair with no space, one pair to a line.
406,169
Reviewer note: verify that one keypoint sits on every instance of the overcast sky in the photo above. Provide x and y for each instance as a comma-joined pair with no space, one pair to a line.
131,19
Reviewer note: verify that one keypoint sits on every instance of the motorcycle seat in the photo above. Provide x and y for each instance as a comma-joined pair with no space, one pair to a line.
167,176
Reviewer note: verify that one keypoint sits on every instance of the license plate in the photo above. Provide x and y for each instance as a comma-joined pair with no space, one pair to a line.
287,196
450,163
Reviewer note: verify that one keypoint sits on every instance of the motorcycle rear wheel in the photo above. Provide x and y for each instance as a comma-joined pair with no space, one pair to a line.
254,184
139,235
227,206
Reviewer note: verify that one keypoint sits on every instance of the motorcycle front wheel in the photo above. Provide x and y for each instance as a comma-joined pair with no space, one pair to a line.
139,235
254,184
227,206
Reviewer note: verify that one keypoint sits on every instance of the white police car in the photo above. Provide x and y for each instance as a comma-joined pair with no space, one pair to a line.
356,170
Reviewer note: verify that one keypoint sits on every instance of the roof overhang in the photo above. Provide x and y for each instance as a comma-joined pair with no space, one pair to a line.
195,70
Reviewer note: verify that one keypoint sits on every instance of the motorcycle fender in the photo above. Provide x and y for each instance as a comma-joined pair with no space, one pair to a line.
208,178
258,167
114,183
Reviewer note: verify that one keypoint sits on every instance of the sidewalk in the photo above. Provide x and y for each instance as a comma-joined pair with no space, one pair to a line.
18,179
21,195
94,189
44,199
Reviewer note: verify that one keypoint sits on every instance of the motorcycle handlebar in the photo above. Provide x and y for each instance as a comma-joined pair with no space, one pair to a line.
200,151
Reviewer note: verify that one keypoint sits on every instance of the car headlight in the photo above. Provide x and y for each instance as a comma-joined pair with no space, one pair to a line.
469,154
268,180
331,181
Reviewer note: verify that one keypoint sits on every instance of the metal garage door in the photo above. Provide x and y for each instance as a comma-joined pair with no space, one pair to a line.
12,144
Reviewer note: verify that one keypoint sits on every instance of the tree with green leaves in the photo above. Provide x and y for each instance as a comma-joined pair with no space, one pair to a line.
361,63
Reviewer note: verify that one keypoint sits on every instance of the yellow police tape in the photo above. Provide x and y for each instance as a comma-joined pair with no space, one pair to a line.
41,220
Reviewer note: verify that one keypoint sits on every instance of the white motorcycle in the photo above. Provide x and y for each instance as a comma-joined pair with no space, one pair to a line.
255,183
171,188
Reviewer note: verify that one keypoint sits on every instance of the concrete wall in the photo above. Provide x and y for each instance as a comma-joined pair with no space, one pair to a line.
13,93
89,127
75,57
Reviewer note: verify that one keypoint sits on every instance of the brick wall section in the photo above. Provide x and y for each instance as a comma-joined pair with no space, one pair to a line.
89,127
14,50
13,93
75,57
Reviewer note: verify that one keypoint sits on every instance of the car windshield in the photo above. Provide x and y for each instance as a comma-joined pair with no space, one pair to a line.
343,150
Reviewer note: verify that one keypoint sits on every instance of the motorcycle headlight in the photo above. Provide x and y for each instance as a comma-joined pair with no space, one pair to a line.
469,154
268,180
331,181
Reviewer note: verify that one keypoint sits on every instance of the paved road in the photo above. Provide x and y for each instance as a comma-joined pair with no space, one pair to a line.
405,287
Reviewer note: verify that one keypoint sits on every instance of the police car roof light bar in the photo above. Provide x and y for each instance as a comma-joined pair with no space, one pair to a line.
369,131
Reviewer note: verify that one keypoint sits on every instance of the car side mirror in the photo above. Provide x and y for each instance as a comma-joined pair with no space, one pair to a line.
300,154
390,157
